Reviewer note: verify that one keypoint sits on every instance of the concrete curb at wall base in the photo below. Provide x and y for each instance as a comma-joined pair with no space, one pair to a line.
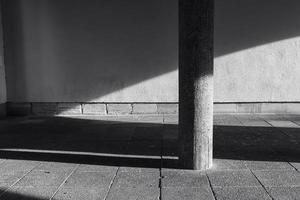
119,109
167,108
258,108
2,110
18,109
144,108
51,109
94,109
69,109
44,109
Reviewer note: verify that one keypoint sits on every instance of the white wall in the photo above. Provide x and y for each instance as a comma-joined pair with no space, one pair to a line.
257,45
126,51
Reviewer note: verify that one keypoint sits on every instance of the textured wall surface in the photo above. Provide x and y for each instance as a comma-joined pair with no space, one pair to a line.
2,71
257,47
126,51
95,50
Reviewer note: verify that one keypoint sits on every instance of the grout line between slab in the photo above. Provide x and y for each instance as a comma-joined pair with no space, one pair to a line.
295,122
1,194
64,181
279,130
234,116
276,128
211,188
111,183
272,127
262,185
161,166
293,166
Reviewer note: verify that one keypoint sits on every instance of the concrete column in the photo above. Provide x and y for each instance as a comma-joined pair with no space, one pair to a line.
196,83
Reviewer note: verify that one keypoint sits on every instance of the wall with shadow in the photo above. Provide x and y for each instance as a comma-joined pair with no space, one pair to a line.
257,50
2,71
114,51
75,50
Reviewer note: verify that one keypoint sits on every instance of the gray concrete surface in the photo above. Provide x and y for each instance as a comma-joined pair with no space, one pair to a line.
135,157
196,83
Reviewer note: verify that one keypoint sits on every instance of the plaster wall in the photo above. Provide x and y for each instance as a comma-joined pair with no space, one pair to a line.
2,73
126,51
257,45
2,76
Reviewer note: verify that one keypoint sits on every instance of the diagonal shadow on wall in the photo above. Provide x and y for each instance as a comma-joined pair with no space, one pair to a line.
77,51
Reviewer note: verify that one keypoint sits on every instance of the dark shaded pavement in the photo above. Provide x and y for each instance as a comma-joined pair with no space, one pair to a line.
135,157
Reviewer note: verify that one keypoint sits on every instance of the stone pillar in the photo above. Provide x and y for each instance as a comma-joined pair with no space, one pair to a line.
196,19
2,72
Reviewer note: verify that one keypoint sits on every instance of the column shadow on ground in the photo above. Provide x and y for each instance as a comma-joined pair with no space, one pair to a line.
117,143
9,195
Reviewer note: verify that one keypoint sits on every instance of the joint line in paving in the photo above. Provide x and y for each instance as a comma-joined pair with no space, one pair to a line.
293,166
1,194
161,166
271,126
286,134
211,188
295,122
280,130
239,120
274,127
262,185
265,121
111,184
64,181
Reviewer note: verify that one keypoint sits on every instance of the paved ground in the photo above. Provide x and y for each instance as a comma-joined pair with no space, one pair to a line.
255,157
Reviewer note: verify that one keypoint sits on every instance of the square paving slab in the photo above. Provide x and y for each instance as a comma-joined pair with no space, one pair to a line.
241,178
285,193
238,193
137,158
278,178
